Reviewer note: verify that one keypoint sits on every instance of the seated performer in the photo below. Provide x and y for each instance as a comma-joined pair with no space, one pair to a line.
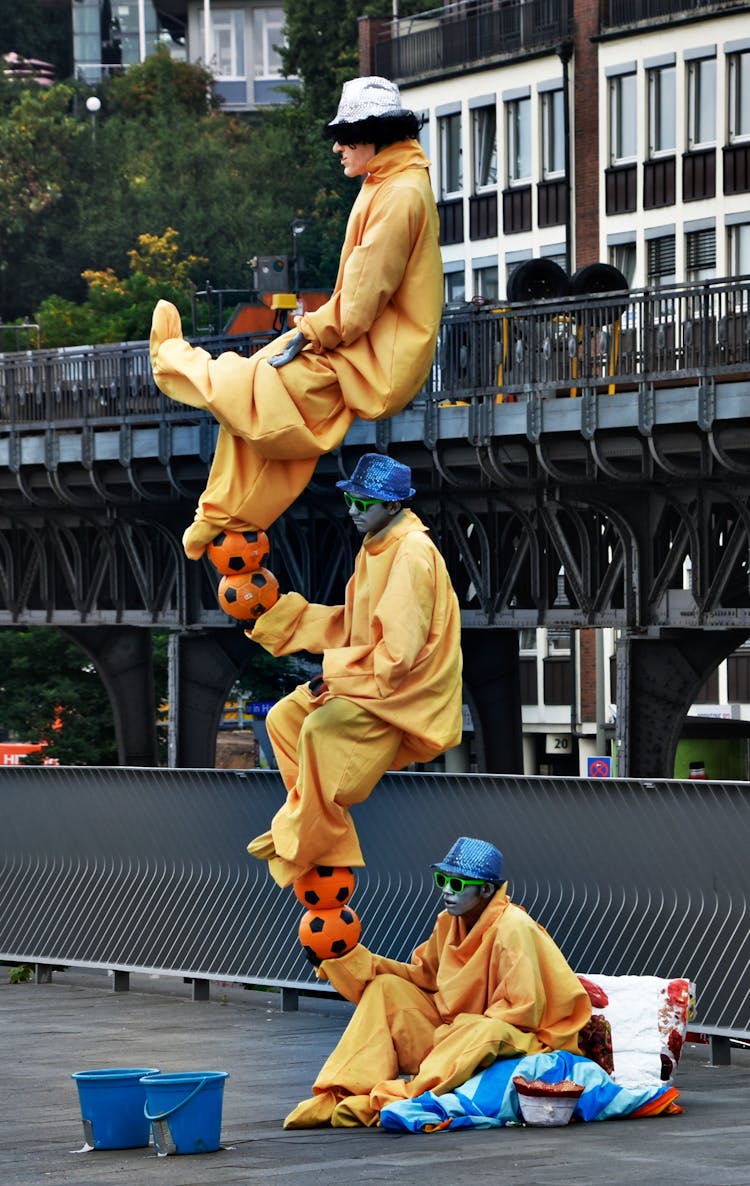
366,352
489,983
390,690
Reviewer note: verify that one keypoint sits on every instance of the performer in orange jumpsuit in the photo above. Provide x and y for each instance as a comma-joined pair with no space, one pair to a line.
366,352
489,983
390,690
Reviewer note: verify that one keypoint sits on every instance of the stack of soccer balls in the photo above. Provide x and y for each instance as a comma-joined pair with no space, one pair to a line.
329,927
246,589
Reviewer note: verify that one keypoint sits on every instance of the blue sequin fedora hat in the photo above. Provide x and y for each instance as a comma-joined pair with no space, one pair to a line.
381,477
473,858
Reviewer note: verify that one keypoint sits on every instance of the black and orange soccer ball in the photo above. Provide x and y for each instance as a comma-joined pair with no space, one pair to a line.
235,552
249,595
327,934
325,887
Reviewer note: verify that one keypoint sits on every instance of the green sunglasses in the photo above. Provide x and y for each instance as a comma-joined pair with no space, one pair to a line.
457,884
361,504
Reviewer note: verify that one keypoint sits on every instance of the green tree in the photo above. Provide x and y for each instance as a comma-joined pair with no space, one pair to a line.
34,30
321,50
161,85
50,691
270,678
322,46
75,192
118,310
45,680
39,143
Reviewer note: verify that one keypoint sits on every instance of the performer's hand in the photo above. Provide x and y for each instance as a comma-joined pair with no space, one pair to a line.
318,685
293,347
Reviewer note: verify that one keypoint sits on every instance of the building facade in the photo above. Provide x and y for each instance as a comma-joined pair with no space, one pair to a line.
584,132
573,130
236,40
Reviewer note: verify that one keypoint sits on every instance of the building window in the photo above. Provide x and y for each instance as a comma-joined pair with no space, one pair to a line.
623,119
553,135
557,256
510,267
87,40
518,134
451,157
661,111
739,97
227,42
558,642
101,45
486,283
268,36
739,254
424,133
622,257
701,98
455,286
661,261
527,640
700,255
484,135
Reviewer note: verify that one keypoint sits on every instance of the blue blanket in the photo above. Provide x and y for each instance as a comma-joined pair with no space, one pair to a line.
489,1099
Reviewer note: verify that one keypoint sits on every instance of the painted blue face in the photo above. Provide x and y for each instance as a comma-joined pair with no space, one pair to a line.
465,900
374,518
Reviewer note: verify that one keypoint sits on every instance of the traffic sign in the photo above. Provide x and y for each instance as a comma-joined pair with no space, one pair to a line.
259,708
600,767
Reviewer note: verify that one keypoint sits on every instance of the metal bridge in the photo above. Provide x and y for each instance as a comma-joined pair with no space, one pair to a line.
575,459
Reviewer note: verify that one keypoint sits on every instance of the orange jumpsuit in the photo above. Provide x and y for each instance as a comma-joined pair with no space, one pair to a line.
501,989
392,663
370,350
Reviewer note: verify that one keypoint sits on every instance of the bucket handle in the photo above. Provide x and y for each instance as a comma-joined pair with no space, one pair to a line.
171,1111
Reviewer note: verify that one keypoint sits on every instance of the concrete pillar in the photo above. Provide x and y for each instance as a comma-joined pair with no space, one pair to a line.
203,665
123,658
492,673
657,681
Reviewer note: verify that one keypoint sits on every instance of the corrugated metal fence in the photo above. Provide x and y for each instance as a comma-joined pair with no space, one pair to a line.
146,870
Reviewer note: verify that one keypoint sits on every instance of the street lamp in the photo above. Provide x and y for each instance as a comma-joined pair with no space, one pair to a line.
299,226
93,106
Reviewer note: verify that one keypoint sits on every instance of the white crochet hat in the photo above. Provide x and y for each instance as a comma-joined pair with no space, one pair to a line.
363,98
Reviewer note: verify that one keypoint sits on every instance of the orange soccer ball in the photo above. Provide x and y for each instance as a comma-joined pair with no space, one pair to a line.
235,552
326,934
249,595
325,887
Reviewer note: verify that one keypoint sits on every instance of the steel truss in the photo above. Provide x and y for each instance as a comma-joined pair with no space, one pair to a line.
121,567
656,549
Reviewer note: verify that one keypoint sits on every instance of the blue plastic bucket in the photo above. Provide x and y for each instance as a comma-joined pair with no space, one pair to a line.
184,1110
112,1102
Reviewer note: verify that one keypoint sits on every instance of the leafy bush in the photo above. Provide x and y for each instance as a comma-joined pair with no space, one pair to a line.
119,310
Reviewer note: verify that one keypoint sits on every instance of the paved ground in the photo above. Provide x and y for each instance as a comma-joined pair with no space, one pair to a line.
76,1023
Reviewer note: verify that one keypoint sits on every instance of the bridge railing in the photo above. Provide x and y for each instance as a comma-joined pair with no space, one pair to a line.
598,345
595,344
80,384
451,37
145,870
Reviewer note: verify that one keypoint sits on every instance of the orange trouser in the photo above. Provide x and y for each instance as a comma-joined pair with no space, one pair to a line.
331,754
396,1029
274,425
